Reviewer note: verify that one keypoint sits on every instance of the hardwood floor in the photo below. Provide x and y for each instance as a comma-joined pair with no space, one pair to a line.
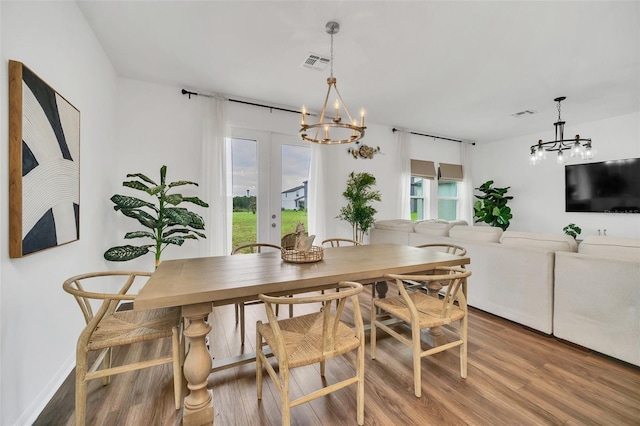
515,377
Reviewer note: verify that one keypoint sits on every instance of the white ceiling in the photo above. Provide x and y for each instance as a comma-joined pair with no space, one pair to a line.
450,68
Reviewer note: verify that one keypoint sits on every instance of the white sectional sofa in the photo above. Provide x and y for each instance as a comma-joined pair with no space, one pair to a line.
588,294
597,297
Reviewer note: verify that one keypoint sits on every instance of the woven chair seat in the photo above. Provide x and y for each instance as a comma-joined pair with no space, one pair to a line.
303,339
126,327
429,309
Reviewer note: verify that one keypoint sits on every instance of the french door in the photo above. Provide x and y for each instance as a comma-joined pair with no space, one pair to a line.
269,185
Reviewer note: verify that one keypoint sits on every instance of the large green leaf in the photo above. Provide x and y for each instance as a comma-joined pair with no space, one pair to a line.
139,234
143,177
143,217
182,231
154,190
182,182
126,202
196,220
173,199
178,215
124,253
195,200
174,240
136,185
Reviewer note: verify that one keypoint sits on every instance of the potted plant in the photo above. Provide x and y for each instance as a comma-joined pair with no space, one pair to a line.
358,211
165,222
572,230
491,207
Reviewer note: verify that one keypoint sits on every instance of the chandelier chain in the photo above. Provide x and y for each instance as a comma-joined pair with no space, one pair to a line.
331,63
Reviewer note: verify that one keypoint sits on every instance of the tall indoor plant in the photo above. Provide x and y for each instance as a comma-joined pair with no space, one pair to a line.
491,207
165,222
358,211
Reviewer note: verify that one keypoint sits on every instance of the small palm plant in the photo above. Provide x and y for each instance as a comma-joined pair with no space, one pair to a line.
166,223
358,212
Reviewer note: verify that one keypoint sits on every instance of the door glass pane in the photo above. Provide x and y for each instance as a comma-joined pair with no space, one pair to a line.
244,172
295,175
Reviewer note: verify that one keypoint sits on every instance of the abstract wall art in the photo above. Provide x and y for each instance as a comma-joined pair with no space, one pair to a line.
44,165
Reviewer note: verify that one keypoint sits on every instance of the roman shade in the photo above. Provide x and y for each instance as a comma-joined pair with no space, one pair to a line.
450,172
423,169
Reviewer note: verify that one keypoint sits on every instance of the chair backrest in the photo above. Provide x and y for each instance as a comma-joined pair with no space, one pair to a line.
451,277
77,286
330,314
337,242
255,248
447,248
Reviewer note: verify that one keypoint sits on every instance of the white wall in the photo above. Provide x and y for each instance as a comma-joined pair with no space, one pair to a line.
539,191
39,322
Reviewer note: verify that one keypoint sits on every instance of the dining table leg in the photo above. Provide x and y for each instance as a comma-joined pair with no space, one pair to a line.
198,404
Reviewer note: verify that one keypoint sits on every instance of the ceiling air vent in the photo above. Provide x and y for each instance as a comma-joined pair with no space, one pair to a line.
521,113
315,62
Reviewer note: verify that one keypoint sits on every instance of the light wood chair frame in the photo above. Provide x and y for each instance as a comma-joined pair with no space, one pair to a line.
239,307
101,334
431,312
330,326
339,242
449,249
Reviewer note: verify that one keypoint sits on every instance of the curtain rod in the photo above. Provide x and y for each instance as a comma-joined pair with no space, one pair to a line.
186,92
430,136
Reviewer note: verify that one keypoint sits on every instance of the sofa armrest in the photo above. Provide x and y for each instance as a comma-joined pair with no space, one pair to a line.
597,304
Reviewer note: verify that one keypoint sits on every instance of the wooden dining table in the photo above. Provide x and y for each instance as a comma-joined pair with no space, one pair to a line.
199,284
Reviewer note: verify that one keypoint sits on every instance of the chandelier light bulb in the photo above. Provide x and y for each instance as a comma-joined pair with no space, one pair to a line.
560,159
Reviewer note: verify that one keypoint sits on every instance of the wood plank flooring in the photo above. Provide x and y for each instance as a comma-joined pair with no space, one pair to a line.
515,377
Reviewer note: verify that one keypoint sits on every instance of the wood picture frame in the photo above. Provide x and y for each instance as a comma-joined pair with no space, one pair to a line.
44,165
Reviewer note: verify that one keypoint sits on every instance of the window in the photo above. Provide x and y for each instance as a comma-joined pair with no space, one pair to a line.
448,177
447,200
417,198
422,172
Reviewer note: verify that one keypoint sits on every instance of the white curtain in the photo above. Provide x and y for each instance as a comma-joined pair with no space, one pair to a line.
215,165
466,186
404,160
317,208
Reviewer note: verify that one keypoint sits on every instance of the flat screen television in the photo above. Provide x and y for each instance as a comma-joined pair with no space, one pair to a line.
604,187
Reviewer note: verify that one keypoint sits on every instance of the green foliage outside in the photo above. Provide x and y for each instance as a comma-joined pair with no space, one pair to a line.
245,224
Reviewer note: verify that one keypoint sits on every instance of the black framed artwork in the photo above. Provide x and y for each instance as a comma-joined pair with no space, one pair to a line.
44,165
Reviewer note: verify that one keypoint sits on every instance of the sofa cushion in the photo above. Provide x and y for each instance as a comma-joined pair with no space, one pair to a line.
433,228
612,247
403,225
488,234
551,242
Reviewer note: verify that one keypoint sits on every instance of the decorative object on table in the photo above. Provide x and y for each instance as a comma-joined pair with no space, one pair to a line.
167,223
572,230
363,151
303,250
358,211
44,165
492,207
580,147
332,130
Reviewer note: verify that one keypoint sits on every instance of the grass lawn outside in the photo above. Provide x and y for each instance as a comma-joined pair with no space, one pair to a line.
244,225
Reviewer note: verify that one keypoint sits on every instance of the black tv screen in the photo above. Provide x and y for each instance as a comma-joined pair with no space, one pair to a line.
604,187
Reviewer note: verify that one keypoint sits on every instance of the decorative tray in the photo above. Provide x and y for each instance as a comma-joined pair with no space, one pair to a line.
314,254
